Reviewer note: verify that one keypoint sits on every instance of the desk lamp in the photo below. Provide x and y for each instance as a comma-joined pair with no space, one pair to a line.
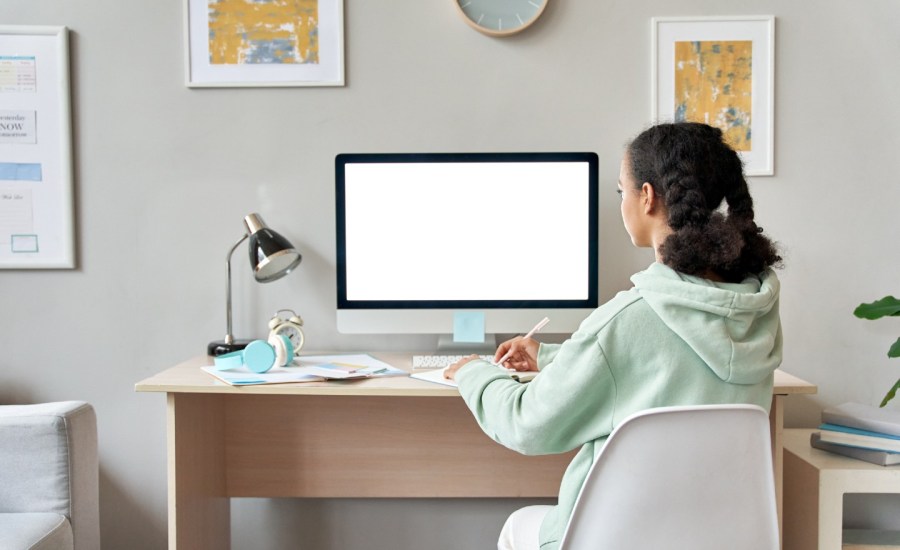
271,258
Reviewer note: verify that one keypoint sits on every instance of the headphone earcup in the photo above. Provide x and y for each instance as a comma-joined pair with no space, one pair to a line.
259,356
283,348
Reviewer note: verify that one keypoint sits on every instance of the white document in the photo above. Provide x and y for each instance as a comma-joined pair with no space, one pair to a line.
437,376
360,361
434,375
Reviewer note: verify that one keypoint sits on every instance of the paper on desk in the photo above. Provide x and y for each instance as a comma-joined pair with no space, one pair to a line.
310,368
342,367
359,364
437,376
242,376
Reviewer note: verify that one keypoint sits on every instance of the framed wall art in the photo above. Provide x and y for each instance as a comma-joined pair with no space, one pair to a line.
721,71
36,183
236,43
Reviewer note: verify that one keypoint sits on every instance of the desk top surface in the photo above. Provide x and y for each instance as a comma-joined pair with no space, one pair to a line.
188,378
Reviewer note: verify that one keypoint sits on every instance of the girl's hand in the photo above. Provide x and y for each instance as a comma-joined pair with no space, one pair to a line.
522,354
450,371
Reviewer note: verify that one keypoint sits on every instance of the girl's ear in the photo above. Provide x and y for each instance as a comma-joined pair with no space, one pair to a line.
649,198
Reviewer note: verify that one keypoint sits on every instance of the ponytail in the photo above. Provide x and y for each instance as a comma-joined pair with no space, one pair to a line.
693,170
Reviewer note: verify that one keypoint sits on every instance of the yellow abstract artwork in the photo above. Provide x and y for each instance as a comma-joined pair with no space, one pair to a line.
713,84
263,31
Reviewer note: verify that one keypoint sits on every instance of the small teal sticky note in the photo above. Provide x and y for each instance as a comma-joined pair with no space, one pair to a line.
468,326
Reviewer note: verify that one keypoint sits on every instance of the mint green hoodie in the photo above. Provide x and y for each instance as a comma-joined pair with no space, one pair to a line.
672,339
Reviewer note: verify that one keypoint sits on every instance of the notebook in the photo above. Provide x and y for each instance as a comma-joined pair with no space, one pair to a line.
437,376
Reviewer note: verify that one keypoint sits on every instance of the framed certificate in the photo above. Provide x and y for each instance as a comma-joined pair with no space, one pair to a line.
36,211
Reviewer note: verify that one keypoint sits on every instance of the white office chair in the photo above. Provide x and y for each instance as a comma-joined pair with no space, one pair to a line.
681,478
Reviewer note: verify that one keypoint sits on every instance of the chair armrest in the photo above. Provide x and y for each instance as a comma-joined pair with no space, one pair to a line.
48,454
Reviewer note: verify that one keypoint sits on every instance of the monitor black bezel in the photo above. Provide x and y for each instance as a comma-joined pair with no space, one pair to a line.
343,159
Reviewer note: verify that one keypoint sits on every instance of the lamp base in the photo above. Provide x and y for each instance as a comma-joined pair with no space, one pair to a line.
219,347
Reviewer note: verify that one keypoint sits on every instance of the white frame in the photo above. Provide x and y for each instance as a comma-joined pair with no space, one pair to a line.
48,205
199,73
761,30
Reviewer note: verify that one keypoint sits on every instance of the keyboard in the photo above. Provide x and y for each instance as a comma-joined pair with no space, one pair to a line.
441,361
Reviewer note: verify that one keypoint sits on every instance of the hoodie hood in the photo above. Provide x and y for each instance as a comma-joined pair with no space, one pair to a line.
734,327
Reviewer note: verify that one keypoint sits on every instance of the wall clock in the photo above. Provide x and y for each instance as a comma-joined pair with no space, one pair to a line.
500,17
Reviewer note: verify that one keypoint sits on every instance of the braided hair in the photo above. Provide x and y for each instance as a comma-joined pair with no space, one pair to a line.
693,170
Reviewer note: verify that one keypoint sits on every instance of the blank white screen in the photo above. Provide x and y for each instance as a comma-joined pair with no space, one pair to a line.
467,231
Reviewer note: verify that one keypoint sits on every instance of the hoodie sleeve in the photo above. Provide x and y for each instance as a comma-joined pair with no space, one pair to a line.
546,354
571,401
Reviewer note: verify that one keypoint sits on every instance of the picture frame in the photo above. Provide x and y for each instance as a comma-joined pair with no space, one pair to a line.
719,70
36,175
234,43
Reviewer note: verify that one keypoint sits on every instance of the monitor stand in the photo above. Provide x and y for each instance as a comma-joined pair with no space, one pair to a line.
447,346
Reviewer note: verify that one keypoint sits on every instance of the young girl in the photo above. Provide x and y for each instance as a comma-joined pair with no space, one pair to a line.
700,325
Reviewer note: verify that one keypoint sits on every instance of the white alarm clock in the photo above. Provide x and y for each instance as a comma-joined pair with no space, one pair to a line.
289,325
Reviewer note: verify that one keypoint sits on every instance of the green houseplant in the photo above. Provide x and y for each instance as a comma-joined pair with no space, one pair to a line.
885,307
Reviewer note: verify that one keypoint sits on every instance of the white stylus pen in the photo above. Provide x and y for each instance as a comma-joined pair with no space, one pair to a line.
531,333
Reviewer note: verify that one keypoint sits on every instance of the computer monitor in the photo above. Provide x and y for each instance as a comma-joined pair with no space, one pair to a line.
423,238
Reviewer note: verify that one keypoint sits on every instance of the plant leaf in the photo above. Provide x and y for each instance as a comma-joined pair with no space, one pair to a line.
895,349
890,394
887,306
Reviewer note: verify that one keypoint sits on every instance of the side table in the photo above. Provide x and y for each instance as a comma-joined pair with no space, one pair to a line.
815,482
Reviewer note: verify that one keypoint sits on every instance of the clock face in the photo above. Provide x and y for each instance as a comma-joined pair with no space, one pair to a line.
501,17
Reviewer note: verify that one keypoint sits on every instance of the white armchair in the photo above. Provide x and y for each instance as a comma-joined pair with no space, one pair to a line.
49,492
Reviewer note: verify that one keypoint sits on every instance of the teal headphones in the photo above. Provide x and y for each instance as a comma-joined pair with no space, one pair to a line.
259,355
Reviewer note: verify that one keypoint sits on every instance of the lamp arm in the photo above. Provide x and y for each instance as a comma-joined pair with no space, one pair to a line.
229,338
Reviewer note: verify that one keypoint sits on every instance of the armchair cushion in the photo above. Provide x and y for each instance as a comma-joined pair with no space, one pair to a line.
49,479
35,531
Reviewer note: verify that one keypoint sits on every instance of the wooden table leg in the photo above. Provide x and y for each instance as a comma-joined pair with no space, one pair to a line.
199,508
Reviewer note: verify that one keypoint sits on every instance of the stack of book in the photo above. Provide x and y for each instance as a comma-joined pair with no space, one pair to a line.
860,431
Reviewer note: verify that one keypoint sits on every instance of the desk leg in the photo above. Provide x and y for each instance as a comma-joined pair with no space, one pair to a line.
199,508
801,504
776,426
831,514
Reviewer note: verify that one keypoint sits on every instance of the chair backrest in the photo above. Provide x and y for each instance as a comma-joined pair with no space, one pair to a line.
697,477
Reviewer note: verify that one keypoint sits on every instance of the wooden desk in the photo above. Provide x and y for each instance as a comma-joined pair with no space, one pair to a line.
386,437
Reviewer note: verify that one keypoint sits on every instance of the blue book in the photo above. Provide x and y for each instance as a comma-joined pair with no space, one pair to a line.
844,435
882,458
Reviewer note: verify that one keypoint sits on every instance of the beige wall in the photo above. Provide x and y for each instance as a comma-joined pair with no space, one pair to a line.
165,173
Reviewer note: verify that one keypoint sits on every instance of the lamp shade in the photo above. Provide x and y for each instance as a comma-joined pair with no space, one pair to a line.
271,255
